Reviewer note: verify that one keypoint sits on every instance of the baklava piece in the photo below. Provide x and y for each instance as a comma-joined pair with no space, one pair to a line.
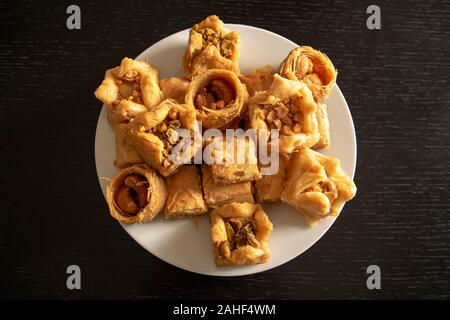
316,185
312,67
240,233
218,96
185,195
136,194
156,135
211,46
288,106
135,81
217,195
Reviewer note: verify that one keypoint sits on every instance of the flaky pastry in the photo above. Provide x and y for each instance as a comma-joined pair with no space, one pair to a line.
240,233
185,195
136,194
174,88
316,185
218,97
289,107
211,46
216,195
312,67
258,79
154,135
132,80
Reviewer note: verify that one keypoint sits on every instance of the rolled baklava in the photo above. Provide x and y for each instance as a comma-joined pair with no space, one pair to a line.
136,194
240,233
312,67
218,97
211,46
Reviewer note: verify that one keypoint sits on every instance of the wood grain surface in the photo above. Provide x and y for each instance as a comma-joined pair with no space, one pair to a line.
396,82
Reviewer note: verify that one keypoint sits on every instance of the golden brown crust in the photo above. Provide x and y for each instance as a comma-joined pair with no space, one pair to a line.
242,167
211,46
240,233
269,188
174,88
324,127
126,155
132,80
185,195
316,185
258,79
288,106
217,195
156,195
154,135
125,112
313,67
217,118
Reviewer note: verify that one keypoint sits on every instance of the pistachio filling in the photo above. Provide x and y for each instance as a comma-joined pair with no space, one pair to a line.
130,87
283,115
166,131
240,232
305,70
132,194
211,37
216,95
328,188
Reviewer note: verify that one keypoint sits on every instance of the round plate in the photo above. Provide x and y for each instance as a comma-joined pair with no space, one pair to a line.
186,243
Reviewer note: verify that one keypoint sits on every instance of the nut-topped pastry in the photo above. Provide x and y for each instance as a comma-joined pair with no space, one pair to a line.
211,46
135,81
218,96
240,233
289,107
155,134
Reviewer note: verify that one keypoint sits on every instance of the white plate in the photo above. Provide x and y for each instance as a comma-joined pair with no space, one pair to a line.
186,243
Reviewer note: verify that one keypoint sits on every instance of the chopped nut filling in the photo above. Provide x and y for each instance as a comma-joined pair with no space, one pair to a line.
216,95
211,37
283,115
240,232
167,133
132,194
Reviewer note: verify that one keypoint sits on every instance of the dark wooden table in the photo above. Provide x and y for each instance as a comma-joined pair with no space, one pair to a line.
396,82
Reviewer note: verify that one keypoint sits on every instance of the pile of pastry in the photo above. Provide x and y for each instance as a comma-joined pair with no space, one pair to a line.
147,114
